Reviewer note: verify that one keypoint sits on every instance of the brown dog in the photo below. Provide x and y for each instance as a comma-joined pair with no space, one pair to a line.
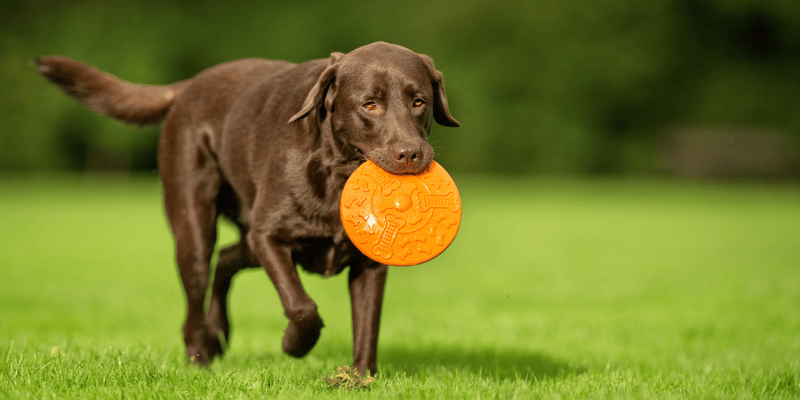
269,145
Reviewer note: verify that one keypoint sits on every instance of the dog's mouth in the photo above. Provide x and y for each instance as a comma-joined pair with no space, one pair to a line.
358,156
394,167
383,159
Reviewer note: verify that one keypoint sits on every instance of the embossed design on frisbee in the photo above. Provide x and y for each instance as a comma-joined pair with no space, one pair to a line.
400,219
387,184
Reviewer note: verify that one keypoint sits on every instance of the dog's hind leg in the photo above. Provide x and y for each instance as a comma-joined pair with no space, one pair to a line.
232,259
195,234
191,185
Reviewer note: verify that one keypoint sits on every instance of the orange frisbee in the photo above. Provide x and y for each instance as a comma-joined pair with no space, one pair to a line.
400,219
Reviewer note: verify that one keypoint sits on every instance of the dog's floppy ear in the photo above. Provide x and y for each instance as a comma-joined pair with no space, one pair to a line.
325,86
440,111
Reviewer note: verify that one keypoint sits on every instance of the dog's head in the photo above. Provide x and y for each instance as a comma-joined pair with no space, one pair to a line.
381,100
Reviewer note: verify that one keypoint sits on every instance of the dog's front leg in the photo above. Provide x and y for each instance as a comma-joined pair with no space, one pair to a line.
304,321
367,281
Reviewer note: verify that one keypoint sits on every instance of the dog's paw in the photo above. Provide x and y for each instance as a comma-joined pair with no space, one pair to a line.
301,335
197,355
203,347
215,344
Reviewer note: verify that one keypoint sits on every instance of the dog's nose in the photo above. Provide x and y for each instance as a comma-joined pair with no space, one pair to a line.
407,157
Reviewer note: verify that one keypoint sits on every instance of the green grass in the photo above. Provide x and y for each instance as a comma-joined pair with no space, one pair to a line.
553,288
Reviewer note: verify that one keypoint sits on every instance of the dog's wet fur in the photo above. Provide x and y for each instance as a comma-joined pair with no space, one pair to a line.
269,145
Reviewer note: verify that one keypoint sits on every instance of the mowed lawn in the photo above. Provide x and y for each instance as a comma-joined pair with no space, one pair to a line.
553,288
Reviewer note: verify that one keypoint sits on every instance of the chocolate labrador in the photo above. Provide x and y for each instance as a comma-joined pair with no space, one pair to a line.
269,145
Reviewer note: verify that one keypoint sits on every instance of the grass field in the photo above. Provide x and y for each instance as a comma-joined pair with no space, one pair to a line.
553,289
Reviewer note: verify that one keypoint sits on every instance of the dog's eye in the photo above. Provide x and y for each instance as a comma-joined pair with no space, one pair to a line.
418,103
370,106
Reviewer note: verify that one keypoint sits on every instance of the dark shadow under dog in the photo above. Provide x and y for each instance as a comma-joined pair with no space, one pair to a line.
485,362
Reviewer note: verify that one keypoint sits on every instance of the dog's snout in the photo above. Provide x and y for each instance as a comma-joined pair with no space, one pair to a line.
407,156
402,158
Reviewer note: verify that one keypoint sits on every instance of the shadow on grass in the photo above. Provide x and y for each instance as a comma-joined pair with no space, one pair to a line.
501,364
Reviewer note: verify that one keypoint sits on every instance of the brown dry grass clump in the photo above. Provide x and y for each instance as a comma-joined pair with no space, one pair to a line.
347,377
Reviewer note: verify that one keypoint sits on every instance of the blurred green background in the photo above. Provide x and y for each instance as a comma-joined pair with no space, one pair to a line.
693,87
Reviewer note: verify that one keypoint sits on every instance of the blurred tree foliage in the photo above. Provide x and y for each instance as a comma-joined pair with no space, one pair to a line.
539,86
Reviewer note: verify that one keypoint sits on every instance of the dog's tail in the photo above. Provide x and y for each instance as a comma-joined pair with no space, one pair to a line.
108,95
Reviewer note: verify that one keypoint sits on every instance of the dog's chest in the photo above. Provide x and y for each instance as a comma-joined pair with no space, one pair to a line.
320,243
325,256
